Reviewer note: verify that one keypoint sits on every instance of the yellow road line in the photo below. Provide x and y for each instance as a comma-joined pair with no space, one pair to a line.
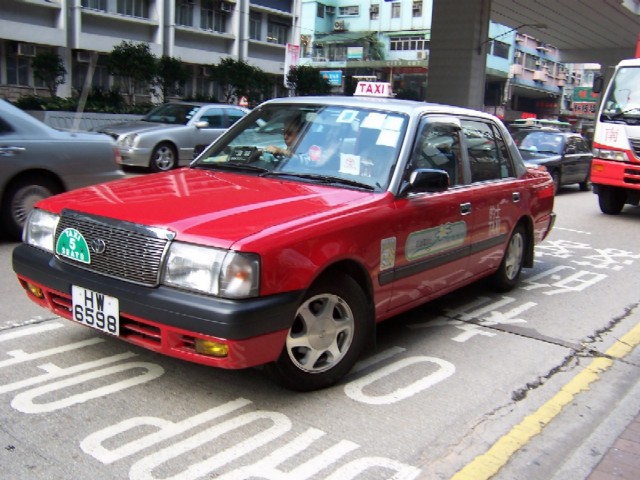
489,463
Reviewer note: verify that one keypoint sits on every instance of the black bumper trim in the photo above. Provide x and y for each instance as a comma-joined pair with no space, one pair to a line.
223,318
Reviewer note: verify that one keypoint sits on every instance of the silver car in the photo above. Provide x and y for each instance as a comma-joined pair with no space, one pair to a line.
165,138
37,161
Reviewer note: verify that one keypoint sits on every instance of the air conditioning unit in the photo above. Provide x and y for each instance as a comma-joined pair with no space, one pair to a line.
83,56
329,10
339,26
422,55
538,63
516,69
517,54
374,9
26,50
224,7
540,76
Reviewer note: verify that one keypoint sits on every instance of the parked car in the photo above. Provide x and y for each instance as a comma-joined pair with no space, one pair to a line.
286,245
165,138
565,155
37,161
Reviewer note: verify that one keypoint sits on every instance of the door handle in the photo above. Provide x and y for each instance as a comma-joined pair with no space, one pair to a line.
7,151
465,208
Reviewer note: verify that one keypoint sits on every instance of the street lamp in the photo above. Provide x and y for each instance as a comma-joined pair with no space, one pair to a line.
539,26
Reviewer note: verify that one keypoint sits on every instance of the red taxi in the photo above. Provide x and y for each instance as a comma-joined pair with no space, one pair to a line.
285,244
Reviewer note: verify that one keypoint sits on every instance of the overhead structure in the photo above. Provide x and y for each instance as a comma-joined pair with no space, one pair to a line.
585,31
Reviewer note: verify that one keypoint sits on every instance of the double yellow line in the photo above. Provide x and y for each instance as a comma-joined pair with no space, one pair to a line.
489,463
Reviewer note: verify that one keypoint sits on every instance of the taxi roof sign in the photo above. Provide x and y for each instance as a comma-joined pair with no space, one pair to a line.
373,89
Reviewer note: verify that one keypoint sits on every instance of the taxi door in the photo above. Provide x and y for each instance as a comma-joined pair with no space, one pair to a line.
433,231
498,197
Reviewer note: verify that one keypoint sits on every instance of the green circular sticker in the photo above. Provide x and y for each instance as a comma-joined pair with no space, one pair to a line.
71,244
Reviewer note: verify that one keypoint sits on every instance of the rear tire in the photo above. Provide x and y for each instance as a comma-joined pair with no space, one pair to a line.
611,200
508,274
328,335
20,199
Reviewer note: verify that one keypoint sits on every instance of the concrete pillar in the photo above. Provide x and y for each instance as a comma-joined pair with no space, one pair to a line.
457,57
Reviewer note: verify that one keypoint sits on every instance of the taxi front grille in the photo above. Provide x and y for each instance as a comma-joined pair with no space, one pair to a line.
121,250
635,146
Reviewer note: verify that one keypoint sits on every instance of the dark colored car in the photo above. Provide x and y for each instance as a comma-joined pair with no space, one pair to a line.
566,155
37,161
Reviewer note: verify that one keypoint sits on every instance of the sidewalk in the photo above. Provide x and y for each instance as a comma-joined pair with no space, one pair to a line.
622,461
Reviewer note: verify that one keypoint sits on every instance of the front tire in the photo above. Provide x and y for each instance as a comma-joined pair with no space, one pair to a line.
328,335
163,158
611,200
508,274
19,200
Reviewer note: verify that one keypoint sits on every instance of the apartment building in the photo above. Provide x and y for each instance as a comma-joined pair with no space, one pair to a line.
199,32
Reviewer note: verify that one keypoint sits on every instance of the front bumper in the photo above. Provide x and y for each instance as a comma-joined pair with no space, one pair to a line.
167,320
135,157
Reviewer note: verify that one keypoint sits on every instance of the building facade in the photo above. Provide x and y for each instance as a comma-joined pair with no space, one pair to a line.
198,32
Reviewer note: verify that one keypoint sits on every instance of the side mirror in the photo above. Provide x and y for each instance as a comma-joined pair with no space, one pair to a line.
202,124
426,180
598,84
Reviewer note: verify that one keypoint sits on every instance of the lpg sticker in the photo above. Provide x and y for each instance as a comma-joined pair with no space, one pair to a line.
434,240
72,244
387,253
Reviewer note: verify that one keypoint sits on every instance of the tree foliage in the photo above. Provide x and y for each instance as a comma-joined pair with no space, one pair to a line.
134,64
49,68
171,76
239,79
306,80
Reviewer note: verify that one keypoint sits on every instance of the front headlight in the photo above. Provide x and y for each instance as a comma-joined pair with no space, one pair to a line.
606,154
128,141
208,270
40,229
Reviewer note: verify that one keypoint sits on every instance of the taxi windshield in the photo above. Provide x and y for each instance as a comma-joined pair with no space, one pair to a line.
352,146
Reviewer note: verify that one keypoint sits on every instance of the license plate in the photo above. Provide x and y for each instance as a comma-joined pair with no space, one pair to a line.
96,310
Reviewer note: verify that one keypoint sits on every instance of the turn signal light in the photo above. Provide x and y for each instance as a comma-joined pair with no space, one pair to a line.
35,290
209,347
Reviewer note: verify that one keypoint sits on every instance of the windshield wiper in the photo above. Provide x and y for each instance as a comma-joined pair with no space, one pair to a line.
233,166
324,179
622,113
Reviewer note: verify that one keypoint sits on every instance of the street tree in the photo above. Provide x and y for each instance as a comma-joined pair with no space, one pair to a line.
49,68
306,80
171,76
134,64
239,79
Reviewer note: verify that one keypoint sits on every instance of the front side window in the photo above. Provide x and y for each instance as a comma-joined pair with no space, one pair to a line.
341,146
487,151
438,147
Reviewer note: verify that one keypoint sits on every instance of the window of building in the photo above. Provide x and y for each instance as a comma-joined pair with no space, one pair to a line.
320,10
95,4
413,42
133,8
395,10
350,11
277,32
18,69
417,9
184,13
211,18
374,12
500,49
255,26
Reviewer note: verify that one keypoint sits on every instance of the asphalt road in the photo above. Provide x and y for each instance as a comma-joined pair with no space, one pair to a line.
535,383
